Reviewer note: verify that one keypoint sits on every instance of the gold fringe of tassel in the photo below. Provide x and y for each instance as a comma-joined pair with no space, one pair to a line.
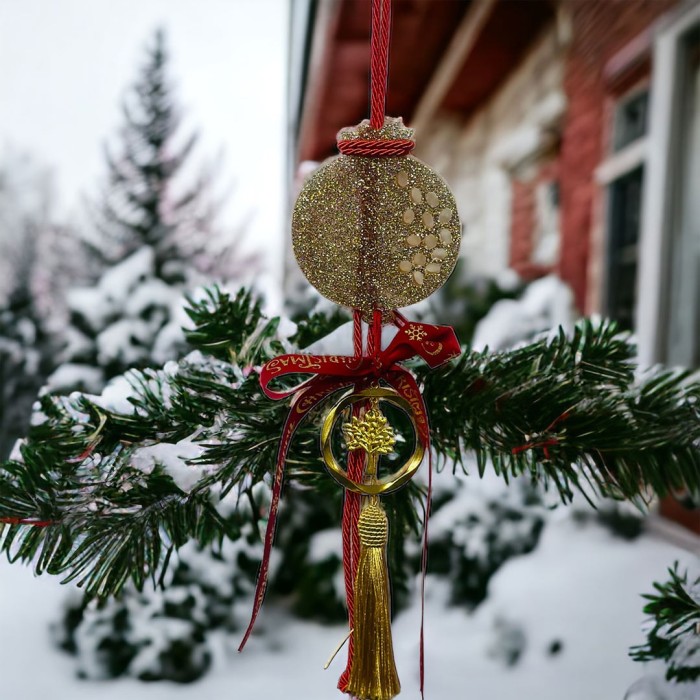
373,674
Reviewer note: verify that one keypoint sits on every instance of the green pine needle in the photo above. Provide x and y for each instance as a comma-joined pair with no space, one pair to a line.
675,635
567,411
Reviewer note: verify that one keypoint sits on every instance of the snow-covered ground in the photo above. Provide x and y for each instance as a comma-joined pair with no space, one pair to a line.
580,588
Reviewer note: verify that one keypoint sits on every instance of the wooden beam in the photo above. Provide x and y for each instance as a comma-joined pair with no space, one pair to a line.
324,31
463,41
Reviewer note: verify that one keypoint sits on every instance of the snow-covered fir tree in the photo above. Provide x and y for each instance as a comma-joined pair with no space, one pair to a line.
130,319
154,230
152,196
25,361
27,344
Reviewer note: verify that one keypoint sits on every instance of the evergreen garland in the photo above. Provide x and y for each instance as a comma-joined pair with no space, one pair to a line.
568,412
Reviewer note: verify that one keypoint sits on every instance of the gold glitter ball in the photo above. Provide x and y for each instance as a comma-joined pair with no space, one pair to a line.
359,221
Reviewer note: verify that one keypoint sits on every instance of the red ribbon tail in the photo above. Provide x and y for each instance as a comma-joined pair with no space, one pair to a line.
261,585
311,395
406,385
424,572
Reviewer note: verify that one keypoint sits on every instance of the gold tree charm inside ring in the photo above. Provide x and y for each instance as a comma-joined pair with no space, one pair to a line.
375,437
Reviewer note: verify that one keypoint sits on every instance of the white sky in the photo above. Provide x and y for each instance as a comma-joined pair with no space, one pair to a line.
65,66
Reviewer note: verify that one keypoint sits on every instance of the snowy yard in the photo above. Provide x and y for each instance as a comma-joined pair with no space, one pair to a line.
579,590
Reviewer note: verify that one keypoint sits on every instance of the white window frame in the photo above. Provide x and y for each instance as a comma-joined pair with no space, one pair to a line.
653,270
616,165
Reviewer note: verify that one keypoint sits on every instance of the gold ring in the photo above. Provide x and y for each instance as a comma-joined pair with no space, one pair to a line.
389,483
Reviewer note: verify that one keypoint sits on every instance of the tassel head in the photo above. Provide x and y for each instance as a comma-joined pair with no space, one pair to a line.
373,526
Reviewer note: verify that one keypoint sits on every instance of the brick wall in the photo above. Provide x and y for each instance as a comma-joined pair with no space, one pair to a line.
605,34
580,61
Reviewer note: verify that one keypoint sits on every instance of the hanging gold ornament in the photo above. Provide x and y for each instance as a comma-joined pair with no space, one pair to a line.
375,234
373,229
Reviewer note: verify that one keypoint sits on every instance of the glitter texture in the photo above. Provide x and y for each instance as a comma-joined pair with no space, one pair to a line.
355,241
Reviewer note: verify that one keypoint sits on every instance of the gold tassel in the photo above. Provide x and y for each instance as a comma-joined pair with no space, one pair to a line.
373,675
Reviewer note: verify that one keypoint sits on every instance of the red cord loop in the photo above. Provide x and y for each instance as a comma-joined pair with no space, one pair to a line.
351,514
375,148
27,521
379,70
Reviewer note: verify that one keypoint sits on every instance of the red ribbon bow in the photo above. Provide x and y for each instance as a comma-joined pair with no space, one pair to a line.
434,344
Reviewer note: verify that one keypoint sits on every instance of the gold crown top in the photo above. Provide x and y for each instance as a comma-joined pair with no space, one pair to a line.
392,129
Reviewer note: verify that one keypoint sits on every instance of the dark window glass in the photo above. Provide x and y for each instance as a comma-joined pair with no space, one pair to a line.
625,204
630,120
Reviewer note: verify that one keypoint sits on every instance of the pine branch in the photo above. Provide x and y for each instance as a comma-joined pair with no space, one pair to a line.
570,412
232,329
675,635
566,411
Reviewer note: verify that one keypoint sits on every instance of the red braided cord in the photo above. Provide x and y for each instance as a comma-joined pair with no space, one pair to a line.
351,514
374,341
351,508
26,521
381,23
379,70
357,333
375,148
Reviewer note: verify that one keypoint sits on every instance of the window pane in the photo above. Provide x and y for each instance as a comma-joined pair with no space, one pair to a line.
630,120
625,201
